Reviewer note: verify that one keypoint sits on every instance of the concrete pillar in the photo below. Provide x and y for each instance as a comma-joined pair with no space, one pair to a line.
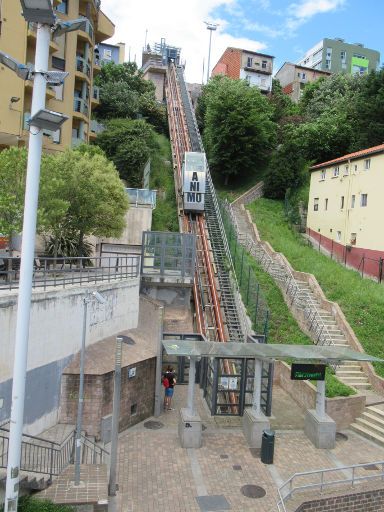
318,426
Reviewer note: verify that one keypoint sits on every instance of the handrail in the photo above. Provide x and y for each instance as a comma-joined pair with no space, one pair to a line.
292,289
322,483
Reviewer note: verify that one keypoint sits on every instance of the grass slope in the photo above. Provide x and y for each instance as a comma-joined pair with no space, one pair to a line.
361,300
165,214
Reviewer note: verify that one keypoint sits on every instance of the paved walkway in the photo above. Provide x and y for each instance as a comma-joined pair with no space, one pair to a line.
155,473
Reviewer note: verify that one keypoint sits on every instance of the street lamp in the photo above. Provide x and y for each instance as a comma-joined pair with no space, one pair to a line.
89,296
211,27
63,27
112,488
40,11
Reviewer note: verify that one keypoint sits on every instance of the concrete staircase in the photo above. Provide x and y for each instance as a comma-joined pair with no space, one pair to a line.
320,323
371,424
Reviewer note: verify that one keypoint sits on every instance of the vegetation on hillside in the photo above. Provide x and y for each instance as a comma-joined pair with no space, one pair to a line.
80,194
335,116
33,504
164,217
361,300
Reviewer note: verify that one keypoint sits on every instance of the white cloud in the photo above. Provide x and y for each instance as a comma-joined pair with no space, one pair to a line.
181,23
308,8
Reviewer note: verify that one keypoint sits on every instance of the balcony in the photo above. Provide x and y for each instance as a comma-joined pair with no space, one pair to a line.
82,66
80,106
95,129
95,94
266,70
105,28
88,34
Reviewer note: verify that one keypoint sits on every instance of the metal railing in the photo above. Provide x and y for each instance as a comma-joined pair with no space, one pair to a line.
315,322
96,93
83,66
96,127
81,105
39,455
141,197
64,272
325,479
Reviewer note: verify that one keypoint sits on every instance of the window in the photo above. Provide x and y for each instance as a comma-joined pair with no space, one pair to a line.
336,171
63,7
316,204
326,204
338,235
342,202
343,55
107,54
367,164
248,78
353,199
356,169
249,62
323,175
303,76
58,63
346,170
327,64
264,64
353,238
364,200
298,75
329,52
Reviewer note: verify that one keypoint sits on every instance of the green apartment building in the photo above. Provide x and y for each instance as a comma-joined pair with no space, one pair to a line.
337,56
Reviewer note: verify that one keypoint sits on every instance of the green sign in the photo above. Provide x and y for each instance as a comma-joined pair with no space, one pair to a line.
300,371
359,66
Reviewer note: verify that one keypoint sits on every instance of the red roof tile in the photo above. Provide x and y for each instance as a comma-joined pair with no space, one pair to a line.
350,156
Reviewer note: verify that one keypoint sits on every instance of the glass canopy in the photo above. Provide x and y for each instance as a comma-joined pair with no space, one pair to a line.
329,353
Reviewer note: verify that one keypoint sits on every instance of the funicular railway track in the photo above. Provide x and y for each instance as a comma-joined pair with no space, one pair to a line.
215,306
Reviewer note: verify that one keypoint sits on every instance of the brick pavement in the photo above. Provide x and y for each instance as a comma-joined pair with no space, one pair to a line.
155,473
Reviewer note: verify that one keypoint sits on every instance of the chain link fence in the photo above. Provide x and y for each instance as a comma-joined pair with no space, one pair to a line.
251,293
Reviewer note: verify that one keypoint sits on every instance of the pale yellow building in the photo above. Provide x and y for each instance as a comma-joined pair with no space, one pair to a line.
72,52
346,205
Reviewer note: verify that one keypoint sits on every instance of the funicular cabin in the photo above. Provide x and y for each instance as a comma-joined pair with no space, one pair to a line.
194,176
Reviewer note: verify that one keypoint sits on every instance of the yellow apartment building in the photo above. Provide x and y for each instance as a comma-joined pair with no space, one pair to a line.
73,52
345,201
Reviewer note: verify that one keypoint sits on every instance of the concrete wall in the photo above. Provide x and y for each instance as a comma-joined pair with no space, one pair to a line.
137,220
361,220
55,335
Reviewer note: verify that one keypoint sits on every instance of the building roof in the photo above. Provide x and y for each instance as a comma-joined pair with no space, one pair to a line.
250,51
304,67
350,156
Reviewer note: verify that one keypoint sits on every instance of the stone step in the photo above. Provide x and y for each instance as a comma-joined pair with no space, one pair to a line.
375,410
360,379
348,373
371,426
373,418
357,385
369,434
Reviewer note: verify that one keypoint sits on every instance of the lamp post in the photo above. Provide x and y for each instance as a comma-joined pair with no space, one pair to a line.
112,487
80,405
211,27
42,12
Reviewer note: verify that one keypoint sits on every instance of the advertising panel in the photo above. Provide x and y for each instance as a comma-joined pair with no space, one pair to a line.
194,172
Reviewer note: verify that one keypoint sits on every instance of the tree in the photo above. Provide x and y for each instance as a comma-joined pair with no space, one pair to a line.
239,132
129,145
283,106
96,196
51,208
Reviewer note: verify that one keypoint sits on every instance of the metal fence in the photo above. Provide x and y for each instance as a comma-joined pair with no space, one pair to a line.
252,295
63,272
39,455
168,254
332,477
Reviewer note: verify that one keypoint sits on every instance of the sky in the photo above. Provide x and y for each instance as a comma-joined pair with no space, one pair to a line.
284,29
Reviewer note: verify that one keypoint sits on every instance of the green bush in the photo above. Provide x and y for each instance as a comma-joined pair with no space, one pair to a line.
32,504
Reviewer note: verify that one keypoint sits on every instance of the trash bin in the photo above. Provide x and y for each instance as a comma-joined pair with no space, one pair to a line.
267,446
